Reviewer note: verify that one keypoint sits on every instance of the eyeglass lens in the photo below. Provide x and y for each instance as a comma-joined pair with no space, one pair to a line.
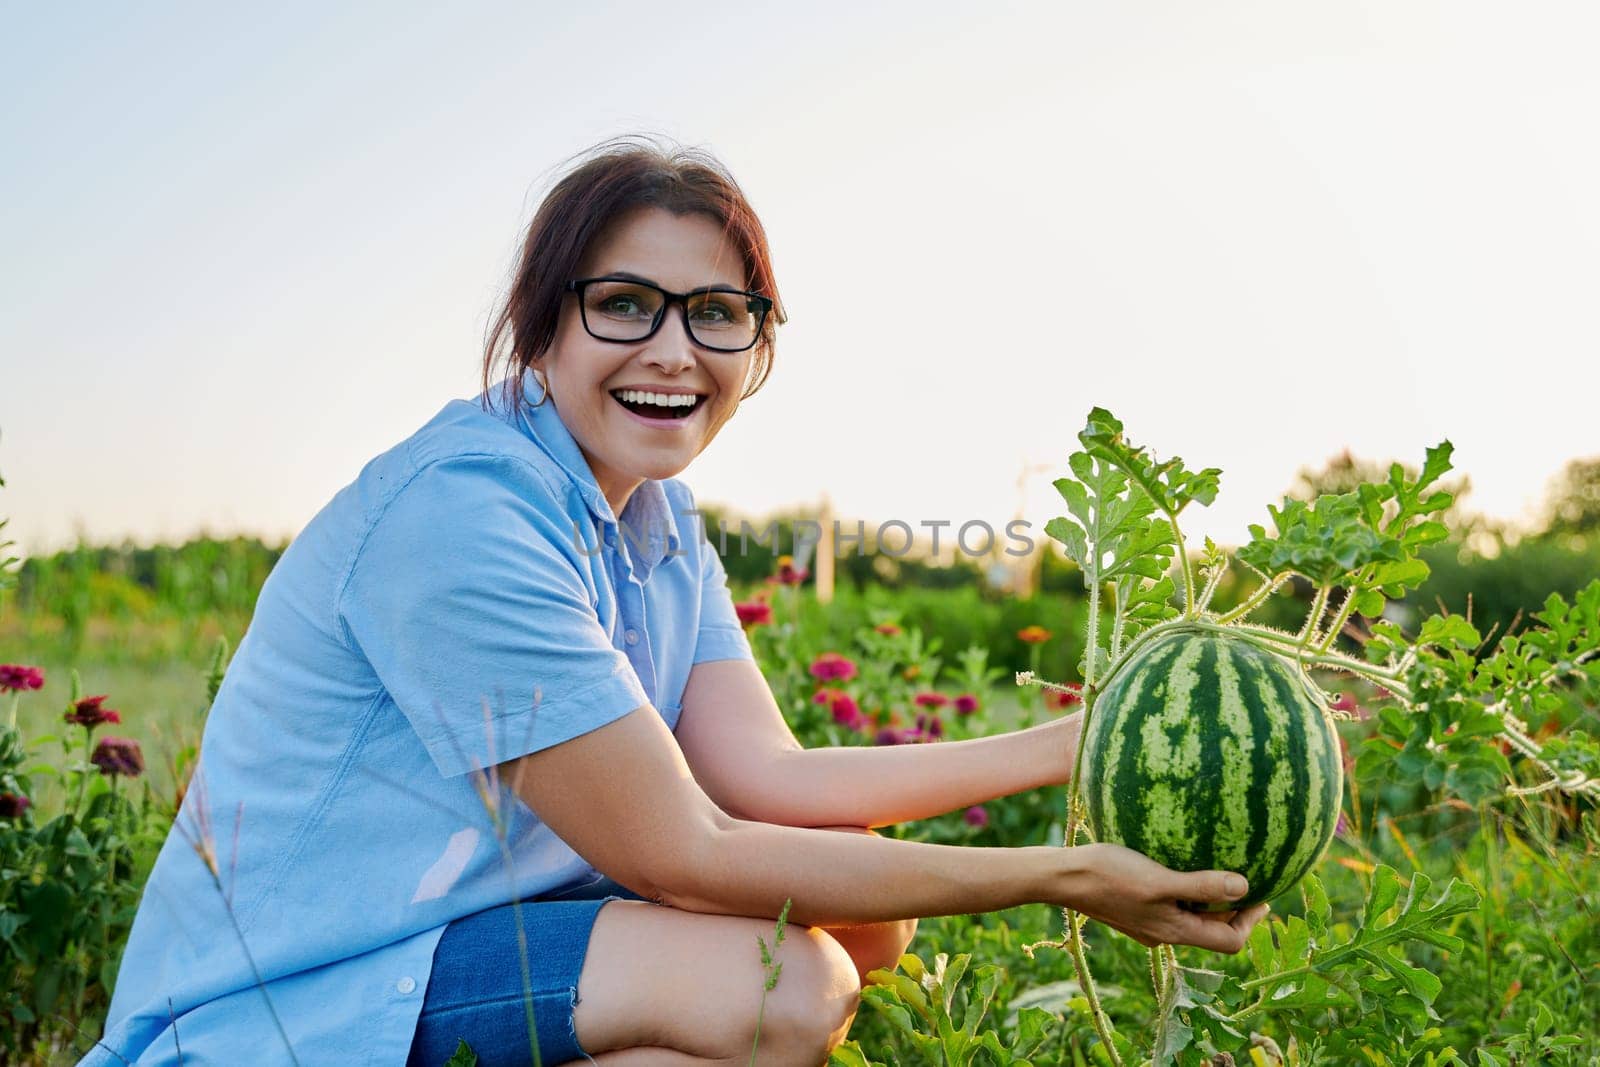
627,311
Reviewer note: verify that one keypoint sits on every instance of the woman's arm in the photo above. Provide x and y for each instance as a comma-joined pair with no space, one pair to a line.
624,799
746,758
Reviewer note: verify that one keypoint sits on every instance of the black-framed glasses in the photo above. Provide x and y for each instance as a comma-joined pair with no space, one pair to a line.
626,310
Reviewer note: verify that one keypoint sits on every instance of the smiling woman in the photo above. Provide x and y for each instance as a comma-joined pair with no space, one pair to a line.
482,769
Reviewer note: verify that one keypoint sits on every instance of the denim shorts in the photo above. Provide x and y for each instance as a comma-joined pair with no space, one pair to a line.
476,993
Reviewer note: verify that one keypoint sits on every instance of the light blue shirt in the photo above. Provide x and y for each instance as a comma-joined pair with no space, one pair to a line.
469,598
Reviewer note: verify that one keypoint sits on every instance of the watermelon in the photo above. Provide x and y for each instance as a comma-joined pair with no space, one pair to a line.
1205,751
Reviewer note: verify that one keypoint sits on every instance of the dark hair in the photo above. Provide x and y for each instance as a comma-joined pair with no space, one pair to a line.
609,180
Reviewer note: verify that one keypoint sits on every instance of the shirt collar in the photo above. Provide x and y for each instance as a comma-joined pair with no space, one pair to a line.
652,531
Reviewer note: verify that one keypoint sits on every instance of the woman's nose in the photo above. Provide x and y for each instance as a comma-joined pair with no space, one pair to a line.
672,349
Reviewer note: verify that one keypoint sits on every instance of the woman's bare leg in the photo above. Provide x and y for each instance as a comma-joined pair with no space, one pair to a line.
658,981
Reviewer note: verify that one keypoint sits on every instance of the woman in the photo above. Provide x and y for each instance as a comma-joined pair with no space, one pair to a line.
494,756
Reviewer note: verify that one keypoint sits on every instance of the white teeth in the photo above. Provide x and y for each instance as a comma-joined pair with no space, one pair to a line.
666,400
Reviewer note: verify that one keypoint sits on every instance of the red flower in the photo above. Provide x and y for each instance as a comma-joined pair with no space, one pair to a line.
788,573
753,613
976,816
1061,699
118,755
931,700
88,712
843,707
832,667
14,678
966,704
930,726
12,805
1034,635
887,629
1347,703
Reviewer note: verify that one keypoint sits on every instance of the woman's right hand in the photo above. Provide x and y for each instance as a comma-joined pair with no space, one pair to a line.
1132,893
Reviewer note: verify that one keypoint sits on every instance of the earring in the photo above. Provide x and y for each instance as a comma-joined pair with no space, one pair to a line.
544,386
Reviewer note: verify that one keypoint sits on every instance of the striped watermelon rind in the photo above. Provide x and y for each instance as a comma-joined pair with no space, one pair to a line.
1205,751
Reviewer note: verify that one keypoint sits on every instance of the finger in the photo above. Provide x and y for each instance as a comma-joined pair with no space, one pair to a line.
1246,920
1209,934
1209,888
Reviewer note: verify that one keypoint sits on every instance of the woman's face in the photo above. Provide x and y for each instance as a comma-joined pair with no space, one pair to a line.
585,374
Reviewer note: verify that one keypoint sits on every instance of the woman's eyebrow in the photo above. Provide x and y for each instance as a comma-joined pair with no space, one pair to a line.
629,276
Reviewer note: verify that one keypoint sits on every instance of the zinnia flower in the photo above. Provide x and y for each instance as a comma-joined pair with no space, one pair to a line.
832,667
14,678
931,700
1034,635
891,736
930,726
88,712
887,629
753,613
12,805
1061,699
977,816
118,755
966,704
1347,703
845,711
788,573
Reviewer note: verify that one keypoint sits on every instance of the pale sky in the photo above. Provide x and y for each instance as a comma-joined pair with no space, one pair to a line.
244,250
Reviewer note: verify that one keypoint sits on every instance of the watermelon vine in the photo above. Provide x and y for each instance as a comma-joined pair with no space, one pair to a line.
1457,710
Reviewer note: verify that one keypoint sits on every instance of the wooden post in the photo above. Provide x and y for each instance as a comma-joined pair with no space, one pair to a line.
824,564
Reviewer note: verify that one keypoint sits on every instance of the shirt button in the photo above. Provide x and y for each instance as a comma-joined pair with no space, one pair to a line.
632,637
406,984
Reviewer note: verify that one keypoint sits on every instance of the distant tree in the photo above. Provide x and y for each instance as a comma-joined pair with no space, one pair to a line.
1572,501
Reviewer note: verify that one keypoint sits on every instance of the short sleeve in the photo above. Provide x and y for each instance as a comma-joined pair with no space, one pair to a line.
467,599
721,636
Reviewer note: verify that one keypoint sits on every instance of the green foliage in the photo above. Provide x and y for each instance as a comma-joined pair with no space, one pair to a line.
69,886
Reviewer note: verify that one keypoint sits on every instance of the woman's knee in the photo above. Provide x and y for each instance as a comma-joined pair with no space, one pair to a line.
810,1009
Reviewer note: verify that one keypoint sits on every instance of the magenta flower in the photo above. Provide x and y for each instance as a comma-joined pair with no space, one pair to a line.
788,573
118,755
977,816
753,613
88,712
14,678
931,700
832,667
1061,699
1341,826
931,726
966,704
891,736
12,805
843,707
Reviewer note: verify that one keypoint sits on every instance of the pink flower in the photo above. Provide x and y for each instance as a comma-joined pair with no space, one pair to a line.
1346,702
88,712
1063,698
931,700
842,706
12,805
788,573
14,678
832,667
977,816
1340,827
118,755
966,704
931,726
891,736
753,613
